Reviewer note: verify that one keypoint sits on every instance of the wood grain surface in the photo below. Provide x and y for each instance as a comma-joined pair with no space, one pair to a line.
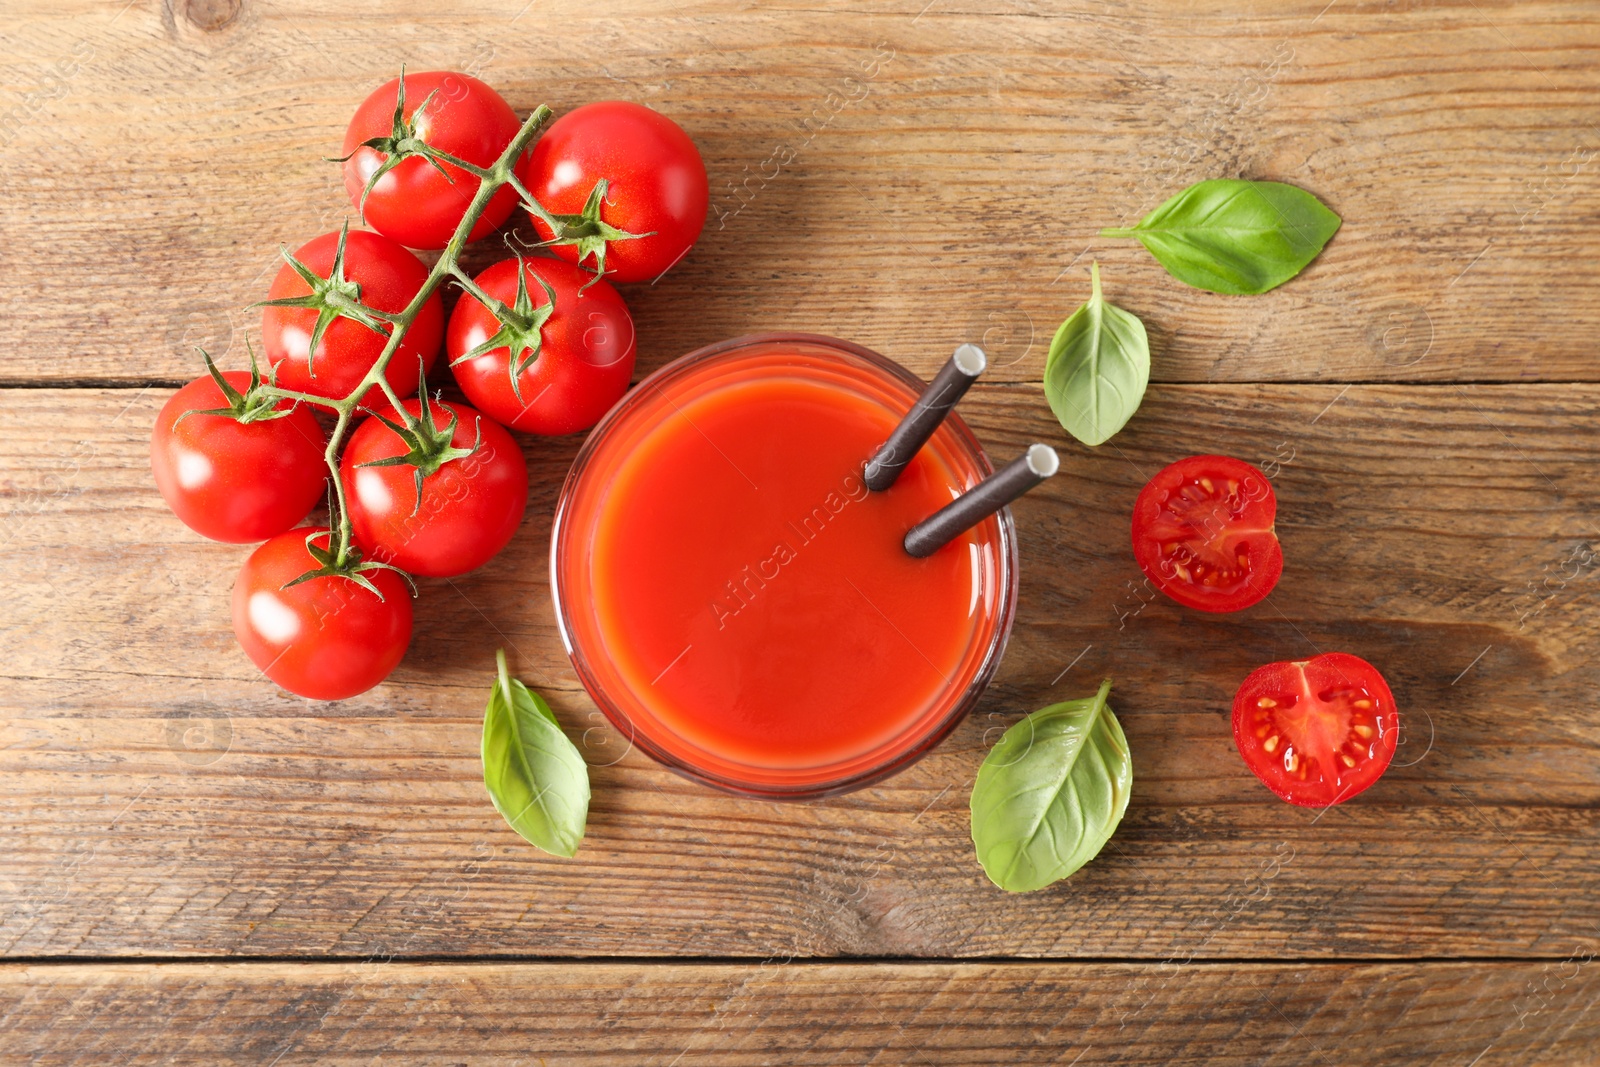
907,175
162,798
777,1012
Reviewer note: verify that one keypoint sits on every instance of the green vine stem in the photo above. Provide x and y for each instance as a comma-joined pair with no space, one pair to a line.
490,180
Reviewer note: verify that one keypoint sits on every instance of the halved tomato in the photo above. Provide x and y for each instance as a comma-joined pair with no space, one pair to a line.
1317,731
1203,533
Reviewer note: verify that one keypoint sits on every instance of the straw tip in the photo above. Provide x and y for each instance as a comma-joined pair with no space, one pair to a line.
1043,461
970,360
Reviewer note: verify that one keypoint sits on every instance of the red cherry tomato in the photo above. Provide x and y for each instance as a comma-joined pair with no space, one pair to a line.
235,480
470,506
413,203
656,183
585,353
389,277
1203,533
327,638
1319,731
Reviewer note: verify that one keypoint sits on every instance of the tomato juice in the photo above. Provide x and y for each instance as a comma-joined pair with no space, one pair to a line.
737,601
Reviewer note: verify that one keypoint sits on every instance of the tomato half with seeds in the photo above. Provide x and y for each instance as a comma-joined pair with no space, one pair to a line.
327,638
1318,731
1203,533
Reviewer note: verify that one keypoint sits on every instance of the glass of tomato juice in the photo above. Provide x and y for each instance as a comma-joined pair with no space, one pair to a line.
737,602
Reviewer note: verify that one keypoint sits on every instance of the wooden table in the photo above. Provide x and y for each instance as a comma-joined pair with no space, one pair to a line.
201,868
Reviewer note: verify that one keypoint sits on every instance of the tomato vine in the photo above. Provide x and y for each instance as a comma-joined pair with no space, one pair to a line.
343,556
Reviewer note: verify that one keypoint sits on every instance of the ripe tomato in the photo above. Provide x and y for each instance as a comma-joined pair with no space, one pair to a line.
327,638
384,276
584,346
1203,533
413,202
656,184
232,467
1318,731
470,504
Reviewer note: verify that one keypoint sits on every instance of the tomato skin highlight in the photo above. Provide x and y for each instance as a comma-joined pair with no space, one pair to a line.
327,638
470,506
413,203
1316,732
657,183
389,277
232,481
585,358
1203,533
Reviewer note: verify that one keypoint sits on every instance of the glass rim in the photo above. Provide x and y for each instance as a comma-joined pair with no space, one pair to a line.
903,755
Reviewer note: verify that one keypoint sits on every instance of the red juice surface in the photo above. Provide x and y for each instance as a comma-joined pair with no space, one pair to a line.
745,602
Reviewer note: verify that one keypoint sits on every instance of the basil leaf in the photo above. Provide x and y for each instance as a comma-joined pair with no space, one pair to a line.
533,772
1097,368
1051,793
1232,236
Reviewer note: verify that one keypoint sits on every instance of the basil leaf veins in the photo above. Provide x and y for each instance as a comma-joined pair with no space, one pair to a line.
1232,236
1051,793
534,773
1097,368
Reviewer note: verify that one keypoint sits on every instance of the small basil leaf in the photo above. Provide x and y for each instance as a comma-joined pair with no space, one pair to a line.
1232,236
1097,368
1051,793
533,772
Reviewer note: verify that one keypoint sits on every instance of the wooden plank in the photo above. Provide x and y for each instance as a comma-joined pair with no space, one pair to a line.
802,1015
157,797
949,190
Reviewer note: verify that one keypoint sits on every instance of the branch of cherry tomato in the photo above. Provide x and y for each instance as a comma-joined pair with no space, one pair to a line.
345,557
351,324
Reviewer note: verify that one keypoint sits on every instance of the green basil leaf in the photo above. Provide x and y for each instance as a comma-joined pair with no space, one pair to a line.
1232,236
533,771
1097,368
1051,793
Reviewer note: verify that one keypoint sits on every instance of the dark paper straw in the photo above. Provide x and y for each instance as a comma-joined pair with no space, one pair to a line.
953,379
982,500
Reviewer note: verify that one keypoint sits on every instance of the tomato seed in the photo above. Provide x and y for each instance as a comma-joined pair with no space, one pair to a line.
1270,744
1266,702
1362,730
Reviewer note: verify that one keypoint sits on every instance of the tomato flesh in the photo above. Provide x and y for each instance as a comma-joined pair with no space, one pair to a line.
1203,533
1319,731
